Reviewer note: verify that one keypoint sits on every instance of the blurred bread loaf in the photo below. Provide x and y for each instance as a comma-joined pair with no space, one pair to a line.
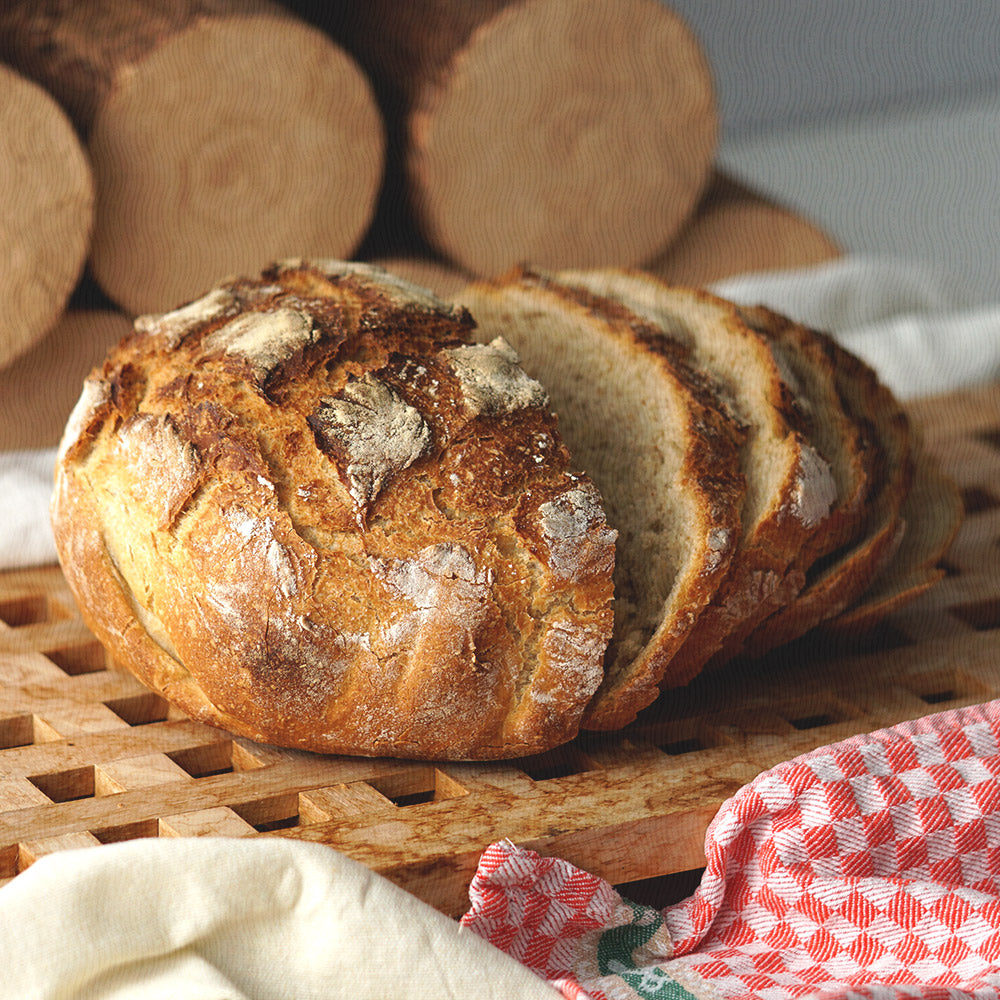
221,134
40,387
554,132
735,229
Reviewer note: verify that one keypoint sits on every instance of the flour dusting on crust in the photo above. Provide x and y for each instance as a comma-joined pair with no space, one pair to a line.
446,566
566,524
372,434
95,393
815,490
255,546
447,590
166,467
718,543
575,655
399,291
265,339
492,380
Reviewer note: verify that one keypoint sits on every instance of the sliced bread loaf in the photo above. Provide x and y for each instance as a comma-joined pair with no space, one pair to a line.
660,445
791,494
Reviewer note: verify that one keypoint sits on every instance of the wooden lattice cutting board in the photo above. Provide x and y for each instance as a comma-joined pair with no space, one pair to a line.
88,756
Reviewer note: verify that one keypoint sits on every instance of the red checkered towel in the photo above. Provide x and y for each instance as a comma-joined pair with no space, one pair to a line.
865,869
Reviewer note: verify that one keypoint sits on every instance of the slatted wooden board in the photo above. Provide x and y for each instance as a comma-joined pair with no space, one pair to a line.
88,756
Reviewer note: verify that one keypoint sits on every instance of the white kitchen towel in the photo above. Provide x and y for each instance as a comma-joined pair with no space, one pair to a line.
218,919
25,489
901,317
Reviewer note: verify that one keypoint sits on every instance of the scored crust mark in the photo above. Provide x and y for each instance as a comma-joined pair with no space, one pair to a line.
378,293
146,618
492,380
405,294
814,493
566,524
167,468
265,340
112,391
371,434
369,311
95,397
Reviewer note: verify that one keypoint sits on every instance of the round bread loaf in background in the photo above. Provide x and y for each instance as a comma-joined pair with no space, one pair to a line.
220,133
306,508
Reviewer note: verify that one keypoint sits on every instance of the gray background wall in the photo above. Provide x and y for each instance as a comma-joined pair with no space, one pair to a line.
791,61
878,118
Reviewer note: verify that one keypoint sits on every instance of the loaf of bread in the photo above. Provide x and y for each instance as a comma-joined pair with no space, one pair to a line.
323,508
308,509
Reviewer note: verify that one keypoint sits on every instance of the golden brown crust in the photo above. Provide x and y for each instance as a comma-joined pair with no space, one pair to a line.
304,508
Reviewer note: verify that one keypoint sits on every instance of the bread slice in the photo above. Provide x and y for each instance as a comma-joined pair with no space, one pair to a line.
811,363
791,493
836,581
659,444
932,514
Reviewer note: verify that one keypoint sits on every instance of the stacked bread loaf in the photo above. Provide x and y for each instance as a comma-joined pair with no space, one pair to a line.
323,508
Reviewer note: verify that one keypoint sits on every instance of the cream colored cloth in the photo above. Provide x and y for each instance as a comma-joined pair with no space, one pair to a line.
25,488
217,919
